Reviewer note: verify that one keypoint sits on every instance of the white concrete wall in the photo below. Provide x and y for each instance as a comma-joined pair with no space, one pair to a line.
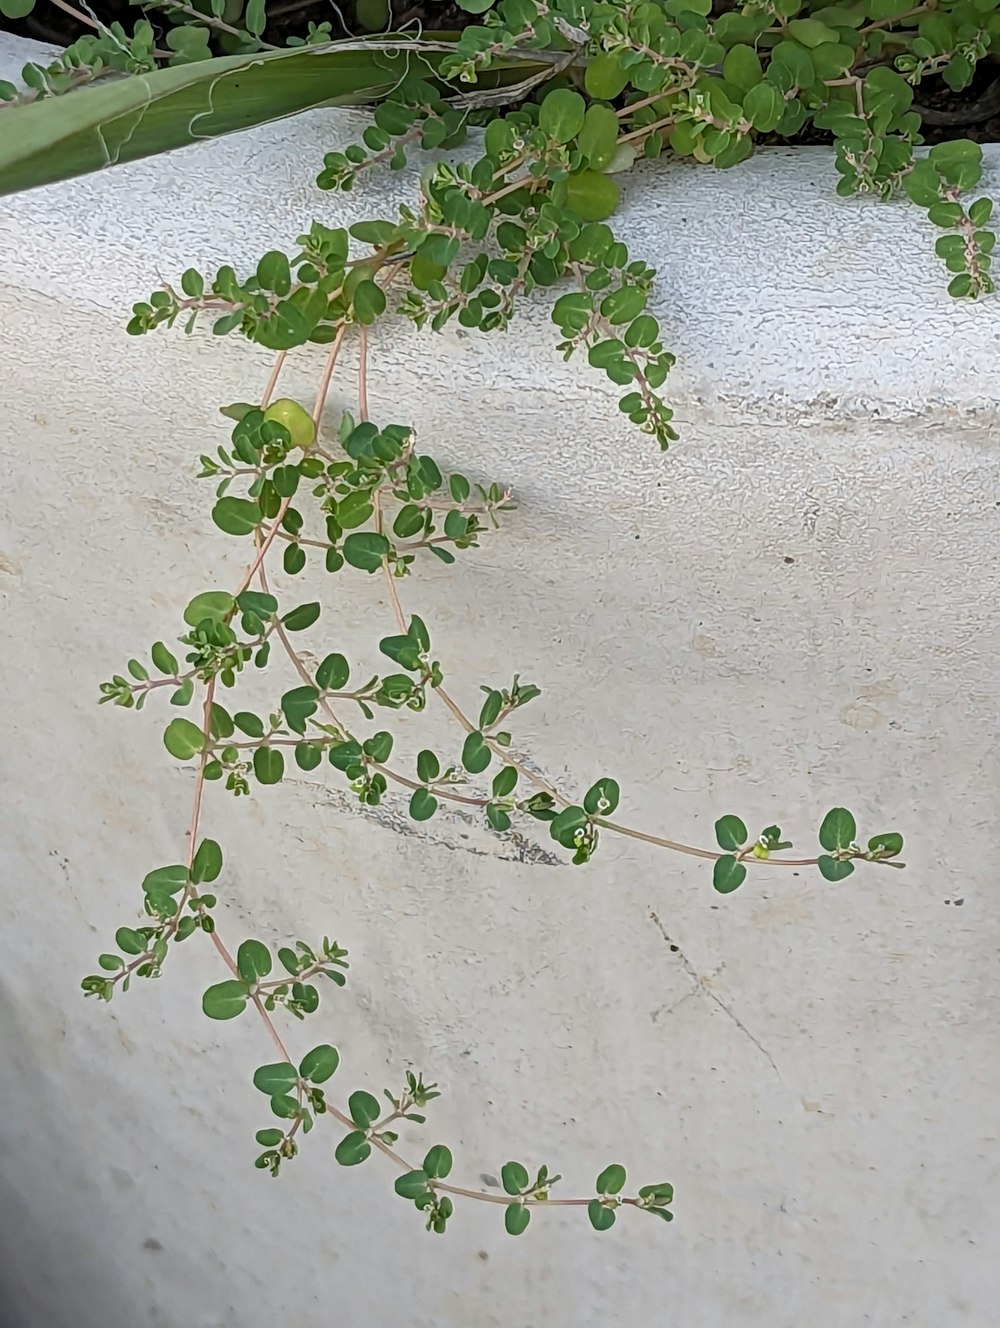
795,607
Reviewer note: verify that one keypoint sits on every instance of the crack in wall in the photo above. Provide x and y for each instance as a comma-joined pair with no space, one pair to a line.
702,986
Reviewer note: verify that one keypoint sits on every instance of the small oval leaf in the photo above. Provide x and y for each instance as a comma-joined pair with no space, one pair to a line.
838,830
728,875
225,1000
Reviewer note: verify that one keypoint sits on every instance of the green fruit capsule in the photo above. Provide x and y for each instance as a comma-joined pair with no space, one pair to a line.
296,419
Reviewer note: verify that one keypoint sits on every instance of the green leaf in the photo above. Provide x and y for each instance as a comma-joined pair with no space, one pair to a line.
793,59
423,805
945,214
249,723
183,694
345,755
662,1192
236,516
498,818
189,41
402,650
366,549
728,875
16,8
129,941
438,1162
516,1219
602,1218
163,659
364,1109
286,481
285,1106
409,521
355,509
764,106
605,78
886,846
214,605
273,1079
428,766
253,959
591,195
838,830
302,617
221,721
833,59
207,863
561,114
225,1000
742,67
459,488
379,746
490,712
375,233
269,1138
166,879
598,139
183,739
268,765
476,756
333,674
923,184
979,214
602,798
811,32
514,1178
352,1149
369,302
564,827
950,247
961,285
879,9
611,1180
298,705
730,833
958,72
273,271
319,1064
411,1186
960,161
417,631
834,869
505,782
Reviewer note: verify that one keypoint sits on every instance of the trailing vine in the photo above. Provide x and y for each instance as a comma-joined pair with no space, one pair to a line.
364,499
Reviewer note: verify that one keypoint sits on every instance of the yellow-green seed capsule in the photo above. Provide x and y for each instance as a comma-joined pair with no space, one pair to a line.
295,419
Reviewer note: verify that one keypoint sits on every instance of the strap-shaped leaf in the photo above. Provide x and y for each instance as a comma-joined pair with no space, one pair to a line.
124,119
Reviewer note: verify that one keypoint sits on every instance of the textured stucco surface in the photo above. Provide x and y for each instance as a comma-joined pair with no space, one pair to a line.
794,608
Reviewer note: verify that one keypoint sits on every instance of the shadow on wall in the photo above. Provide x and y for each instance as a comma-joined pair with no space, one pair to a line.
45,1261
44,1265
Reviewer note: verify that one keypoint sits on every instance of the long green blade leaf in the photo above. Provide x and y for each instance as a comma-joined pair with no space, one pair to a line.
124,119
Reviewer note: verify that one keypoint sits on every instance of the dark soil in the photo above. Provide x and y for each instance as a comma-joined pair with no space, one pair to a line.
290,18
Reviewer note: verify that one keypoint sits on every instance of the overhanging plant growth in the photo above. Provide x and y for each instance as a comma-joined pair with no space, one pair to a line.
662,75
610,84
